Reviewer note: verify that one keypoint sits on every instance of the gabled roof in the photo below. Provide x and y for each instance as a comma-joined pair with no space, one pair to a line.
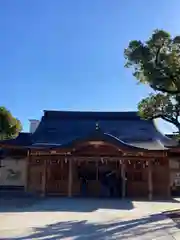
63,128
59,128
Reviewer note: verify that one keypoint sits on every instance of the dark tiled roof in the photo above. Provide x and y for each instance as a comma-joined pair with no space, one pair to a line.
90,115
98,135
23,139
62,127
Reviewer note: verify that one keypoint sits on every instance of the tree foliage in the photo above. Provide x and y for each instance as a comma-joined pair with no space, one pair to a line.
9,125
156,62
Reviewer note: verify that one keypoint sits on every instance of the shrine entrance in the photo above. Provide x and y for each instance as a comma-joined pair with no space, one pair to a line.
98,169
99,179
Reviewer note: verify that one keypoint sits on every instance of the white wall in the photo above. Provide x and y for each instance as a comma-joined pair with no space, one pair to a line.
174,164
174,172
13,172
33,125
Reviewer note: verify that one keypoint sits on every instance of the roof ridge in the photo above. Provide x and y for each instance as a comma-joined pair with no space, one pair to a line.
91,114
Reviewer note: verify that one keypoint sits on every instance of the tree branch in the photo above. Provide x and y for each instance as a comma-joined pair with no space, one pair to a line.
177,112
170,120
164,90
173,79
157,55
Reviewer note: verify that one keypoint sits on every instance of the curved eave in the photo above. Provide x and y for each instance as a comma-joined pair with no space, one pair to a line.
47,147
96,136
12,146
175,149
106,138
166,141
28,147
71,145
21,141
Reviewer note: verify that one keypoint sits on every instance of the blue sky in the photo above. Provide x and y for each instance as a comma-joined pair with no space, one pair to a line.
68,55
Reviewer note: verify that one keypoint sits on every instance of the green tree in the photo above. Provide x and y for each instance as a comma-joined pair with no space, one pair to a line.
156,62
9,125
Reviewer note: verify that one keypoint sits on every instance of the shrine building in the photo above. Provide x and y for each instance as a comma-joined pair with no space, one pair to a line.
91,154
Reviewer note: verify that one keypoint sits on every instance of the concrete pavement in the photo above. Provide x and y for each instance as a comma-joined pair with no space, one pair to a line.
58,218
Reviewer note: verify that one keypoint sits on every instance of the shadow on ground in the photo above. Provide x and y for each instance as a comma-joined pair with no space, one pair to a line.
34,204
62,204
171,200
81,230
174,215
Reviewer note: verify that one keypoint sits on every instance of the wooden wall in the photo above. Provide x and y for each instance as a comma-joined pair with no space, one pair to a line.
161,178
35,175
50,174
175,175
57,177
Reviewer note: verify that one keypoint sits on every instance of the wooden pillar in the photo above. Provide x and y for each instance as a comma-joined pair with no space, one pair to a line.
169,178
123,177
97,170
70,179
44,171
27,172
150,182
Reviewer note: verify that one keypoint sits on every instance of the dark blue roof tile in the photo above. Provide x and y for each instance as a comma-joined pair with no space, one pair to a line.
61,127
90,115
23,139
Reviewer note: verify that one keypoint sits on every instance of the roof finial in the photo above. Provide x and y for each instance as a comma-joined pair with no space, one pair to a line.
97,126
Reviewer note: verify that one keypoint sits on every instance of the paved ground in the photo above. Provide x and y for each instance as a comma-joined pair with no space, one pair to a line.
82,219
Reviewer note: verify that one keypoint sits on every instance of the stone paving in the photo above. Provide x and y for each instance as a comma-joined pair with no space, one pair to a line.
80,219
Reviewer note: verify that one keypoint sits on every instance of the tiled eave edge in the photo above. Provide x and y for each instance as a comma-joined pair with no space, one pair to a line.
138,152
58,150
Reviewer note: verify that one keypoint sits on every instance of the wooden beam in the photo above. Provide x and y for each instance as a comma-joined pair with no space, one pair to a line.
121,152
49,152
150,182
95,158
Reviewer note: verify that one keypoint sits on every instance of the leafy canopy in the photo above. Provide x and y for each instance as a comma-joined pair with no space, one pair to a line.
9,125
156,62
